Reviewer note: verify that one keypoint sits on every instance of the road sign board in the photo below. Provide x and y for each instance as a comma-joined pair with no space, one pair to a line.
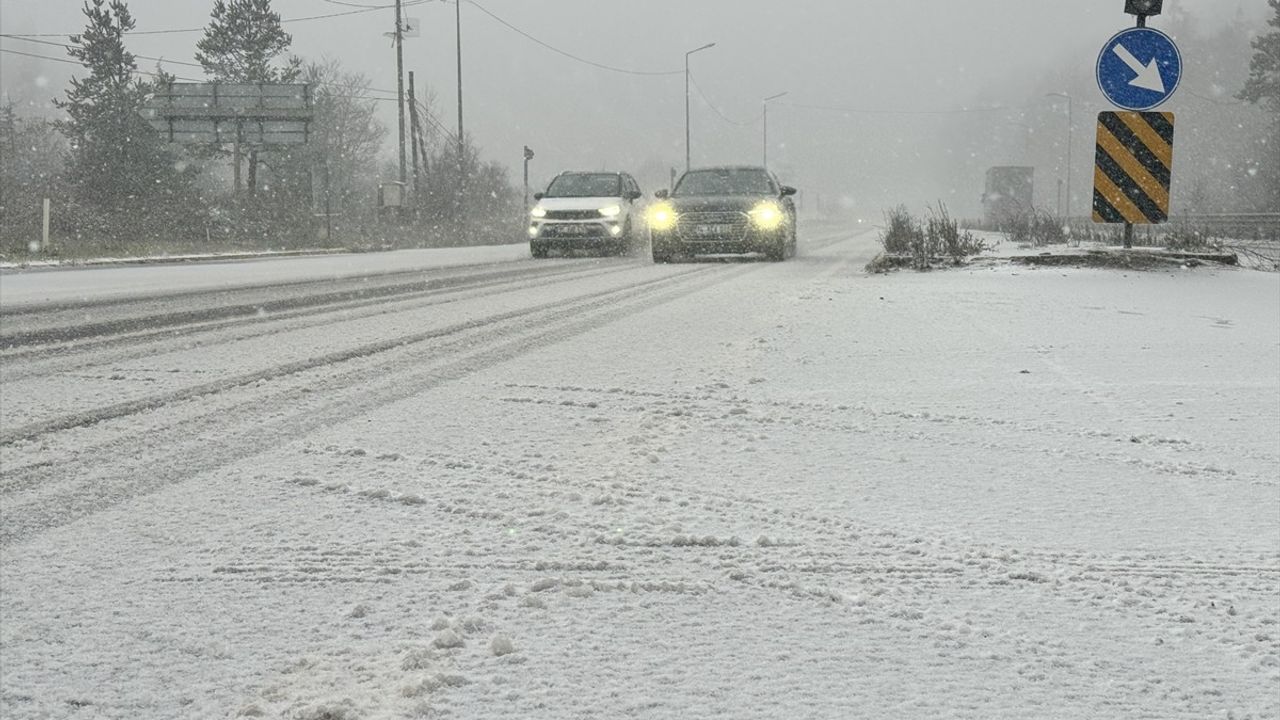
1139,68
1133,168
217,113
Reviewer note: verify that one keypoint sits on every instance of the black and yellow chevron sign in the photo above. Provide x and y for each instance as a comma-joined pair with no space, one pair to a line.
1134,167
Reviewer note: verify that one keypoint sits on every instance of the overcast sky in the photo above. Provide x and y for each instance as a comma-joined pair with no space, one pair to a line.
892,65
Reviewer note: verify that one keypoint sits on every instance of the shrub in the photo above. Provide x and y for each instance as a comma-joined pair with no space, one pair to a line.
923,243
1036,229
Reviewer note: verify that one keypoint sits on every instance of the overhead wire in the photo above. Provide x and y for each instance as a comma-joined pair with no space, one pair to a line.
175,31
715,109
565,53
891,111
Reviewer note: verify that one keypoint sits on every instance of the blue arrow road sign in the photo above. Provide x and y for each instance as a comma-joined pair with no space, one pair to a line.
1139,68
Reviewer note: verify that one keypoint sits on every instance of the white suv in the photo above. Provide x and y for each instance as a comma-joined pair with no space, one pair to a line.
587,211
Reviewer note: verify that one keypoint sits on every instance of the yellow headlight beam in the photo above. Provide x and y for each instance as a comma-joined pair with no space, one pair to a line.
767,216
662,217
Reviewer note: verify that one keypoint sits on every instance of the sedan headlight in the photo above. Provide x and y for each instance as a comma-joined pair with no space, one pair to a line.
767,216
662,217
611,211
538,212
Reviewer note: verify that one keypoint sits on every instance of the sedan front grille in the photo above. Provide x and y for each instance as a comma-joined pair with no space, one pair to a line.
713,226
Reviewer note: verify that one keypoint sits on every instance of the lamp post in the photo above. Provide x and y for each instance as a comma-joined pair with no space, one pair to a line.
765,117
1070,128
688,151
528,155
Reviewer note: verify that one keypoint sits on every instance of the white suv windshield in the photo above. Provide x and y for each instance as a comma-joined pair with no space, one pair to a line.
598,185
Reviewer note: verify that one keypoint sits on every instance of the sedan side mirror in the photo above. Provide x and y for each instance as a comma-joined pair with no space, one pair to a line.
788,190
538,196
662,194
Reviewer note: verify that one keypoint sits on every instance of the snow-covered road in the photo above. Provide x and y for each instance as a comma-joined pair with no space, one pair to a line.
583,489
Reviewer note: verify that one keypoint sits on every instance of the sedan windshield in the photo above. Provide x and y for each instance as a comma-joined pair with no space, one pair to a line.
725,181
593,185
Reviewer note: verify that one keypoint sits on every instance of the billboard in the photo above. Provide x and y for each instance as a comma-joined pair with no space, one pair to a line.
222,113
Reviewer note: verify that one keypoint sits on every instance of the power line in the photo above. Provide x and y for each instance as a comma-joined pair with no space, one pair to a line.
68,61
565,53
174,31
887,111
76,62
24,38
713,107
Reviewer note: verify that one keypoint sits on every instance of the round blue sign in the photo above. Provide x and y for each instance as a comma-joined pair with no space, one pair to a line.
1139,68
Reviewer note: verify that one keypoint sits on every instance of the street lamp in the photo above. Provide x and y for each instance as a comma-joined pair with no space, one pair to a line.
765,116
1070,128
688,152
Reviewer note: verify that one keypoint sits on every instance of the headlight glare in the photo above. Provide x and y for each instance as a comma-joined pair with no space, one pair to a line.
767,216
611,211
538,212
662,217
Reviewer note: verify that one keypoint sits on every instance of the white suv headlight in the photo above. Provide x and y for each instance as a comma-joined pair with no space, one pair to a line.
538,212
611,211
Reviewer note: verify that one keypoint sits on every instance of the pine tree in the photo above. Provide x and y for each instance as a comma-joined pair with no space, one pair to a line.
115,155
240,45
1263,87
1263,84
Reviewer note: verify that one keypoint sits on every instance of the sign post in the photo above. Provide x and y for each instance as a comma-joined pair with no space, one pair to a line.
1138,70
44,247
528,155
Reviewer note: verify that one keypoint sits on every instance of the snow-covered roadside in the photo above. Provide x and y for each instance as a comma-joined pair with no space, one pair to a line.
102,283
803,492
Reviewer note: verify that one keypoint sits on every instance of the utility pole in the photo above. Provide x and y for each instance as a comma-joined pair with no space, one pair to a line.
413,132
528,155
765,118
1070,128
399,41
462,138
688,151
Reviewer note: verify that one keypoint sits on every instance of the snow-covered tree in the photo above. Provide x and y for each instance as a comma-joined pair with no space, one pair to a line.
242,44
1263,87
115,155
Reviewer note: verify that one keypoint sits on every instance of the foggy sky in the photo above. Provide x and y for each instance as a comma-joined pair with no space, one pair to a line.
894,61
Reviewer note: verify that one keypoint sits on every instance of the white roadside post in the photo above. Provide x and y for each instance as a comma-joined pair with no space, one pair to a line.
44,243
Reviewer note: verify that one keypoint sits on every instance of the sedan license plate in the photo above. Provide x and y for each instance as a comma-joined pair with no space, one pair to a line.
709,231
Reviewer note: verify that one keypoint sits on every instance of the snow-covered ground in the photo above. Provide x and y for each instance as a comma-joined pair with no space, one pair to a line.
714,490
19,288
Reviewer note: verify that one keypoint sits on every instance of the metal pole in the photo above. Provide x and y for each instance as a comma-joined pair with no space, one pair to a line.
399,40
44,245
765,103
1070,130
688,150
1128,227
462,141
526,180
413,135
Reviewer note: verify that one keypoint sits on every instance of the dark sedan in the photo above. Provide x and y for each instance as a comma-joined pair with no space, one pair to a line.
724,210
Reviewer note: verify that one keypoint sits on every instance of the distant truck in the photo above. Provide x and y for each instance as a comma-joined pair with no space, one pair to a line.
1009,194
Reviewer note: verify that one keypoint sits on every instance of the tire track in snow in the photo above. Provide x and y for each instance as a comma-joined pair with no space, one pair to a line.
34,430
107,474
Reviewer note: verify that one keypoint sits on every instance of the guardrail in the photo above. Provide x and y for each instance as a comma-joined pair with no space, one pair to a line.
1262,224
